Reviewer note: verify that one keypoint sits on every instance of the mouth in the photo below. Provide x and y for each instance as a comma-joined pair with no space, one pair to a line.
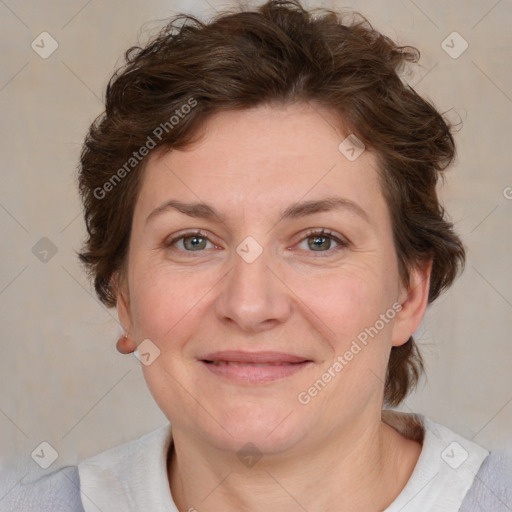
254,367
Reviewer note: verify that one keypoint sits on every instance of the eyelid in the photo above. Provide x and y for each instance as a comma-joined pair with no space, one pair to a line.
171,240
320,232
323,232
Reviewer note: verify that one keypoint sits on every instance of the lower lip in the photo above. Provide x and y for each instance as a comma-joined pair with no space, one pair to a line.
251,374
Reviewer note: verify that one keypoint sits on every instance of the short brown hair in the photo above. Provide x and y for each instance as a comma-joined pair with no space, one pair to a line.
277,53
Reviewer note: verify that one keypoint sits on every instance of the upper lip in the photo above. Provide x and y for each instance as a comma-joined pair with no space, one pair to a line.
236,356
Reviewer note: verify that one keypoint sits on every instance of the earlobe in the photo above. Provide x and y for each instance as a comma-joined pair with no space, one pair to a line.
126,343
414,301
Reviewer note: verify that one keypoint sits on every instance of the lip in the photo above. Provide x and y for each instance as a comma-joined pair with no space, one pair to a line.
238,356
253,367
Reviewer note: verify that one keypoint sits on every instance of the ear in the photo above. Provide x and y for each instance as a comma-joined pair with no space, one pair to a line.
126,343
413,300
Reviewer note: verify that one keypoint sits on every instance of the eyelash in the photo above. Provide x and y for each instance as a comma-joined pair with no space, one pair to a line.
342,243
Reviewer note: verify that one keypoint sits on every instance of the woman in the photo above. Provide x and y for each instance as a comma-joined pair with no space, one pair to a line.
260,199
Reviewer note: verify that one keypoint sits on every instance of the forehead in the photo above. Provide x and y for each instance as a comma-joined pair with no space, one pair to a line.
262,158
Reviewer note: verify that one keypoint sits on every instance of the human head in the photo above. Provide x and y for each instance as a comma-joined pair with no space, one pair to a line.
277,54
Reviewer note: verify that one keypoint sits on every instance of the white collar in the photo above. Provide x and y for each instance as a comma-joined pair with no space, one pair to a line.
445,470
132,477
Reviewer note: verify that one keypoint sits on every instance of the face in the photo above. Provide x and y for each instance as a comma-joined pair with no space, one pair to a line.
273,306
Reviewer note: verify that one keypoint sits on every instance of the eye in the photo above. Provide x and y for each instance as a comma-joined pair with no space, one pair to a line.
316,240
190,242
321,241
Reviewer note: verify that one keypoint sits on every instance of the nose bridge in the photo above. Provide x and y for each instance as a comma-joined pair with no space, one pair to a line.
252,296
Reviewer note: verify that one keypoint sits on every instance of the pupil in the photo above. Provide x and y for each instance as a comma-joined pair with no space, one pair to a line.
195,241
318,241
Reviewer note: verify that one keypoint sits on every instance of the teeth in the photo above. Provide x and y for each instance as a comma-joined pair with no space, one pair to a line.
233,363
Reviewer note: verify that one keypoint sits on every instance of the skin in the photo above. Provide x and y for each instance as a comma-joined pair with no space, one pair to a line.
334,453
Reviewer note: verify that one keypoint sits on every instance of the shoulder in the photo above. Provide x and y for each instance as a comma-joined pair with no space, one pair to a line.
492,487
129,476
58,491
120,457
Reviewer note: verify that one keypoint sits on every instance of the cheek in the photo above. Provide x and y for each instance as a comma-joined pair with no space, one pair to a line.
346,300
347,306
158,300
351,305
166,307
167,303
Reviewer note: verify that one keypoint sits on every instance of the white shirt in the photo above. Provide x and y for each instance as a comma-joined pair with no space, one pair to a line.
133,477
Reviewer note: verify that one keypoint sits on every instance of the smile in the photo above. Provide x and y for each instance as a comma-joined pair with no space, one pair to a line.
252,368
238,363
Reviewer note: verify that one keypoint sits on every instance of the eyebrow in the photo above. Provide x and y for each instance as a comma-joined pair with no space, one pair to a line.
296,210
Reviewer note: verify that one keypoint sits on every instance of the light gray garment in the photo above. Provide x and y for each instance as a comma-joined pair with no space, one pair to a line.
59,490
492,488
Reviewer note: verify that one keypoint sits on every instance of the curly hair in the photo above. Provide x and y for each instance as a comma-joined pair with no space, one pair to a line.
277,53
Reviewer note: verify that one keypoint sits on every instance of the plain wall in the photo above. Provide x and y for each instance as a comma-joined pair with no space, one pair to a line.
62,380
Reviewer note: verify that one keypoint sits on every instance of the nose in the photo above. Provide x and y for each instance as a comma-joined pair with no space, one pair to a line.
253,295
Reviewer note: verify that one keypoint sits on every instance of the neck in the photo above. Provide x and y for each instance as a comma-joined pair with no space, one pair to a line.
362,469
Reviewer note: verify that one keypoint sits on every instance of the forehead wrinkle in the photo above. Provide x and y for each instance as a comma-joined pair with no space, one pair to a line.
296,210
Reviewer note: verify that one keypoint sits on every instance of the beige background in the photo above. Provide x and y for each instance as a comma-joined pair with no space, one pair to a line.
61,379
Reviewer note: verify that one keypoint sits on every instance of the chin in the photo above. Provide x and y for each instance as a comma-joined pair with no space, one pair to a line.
270,429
